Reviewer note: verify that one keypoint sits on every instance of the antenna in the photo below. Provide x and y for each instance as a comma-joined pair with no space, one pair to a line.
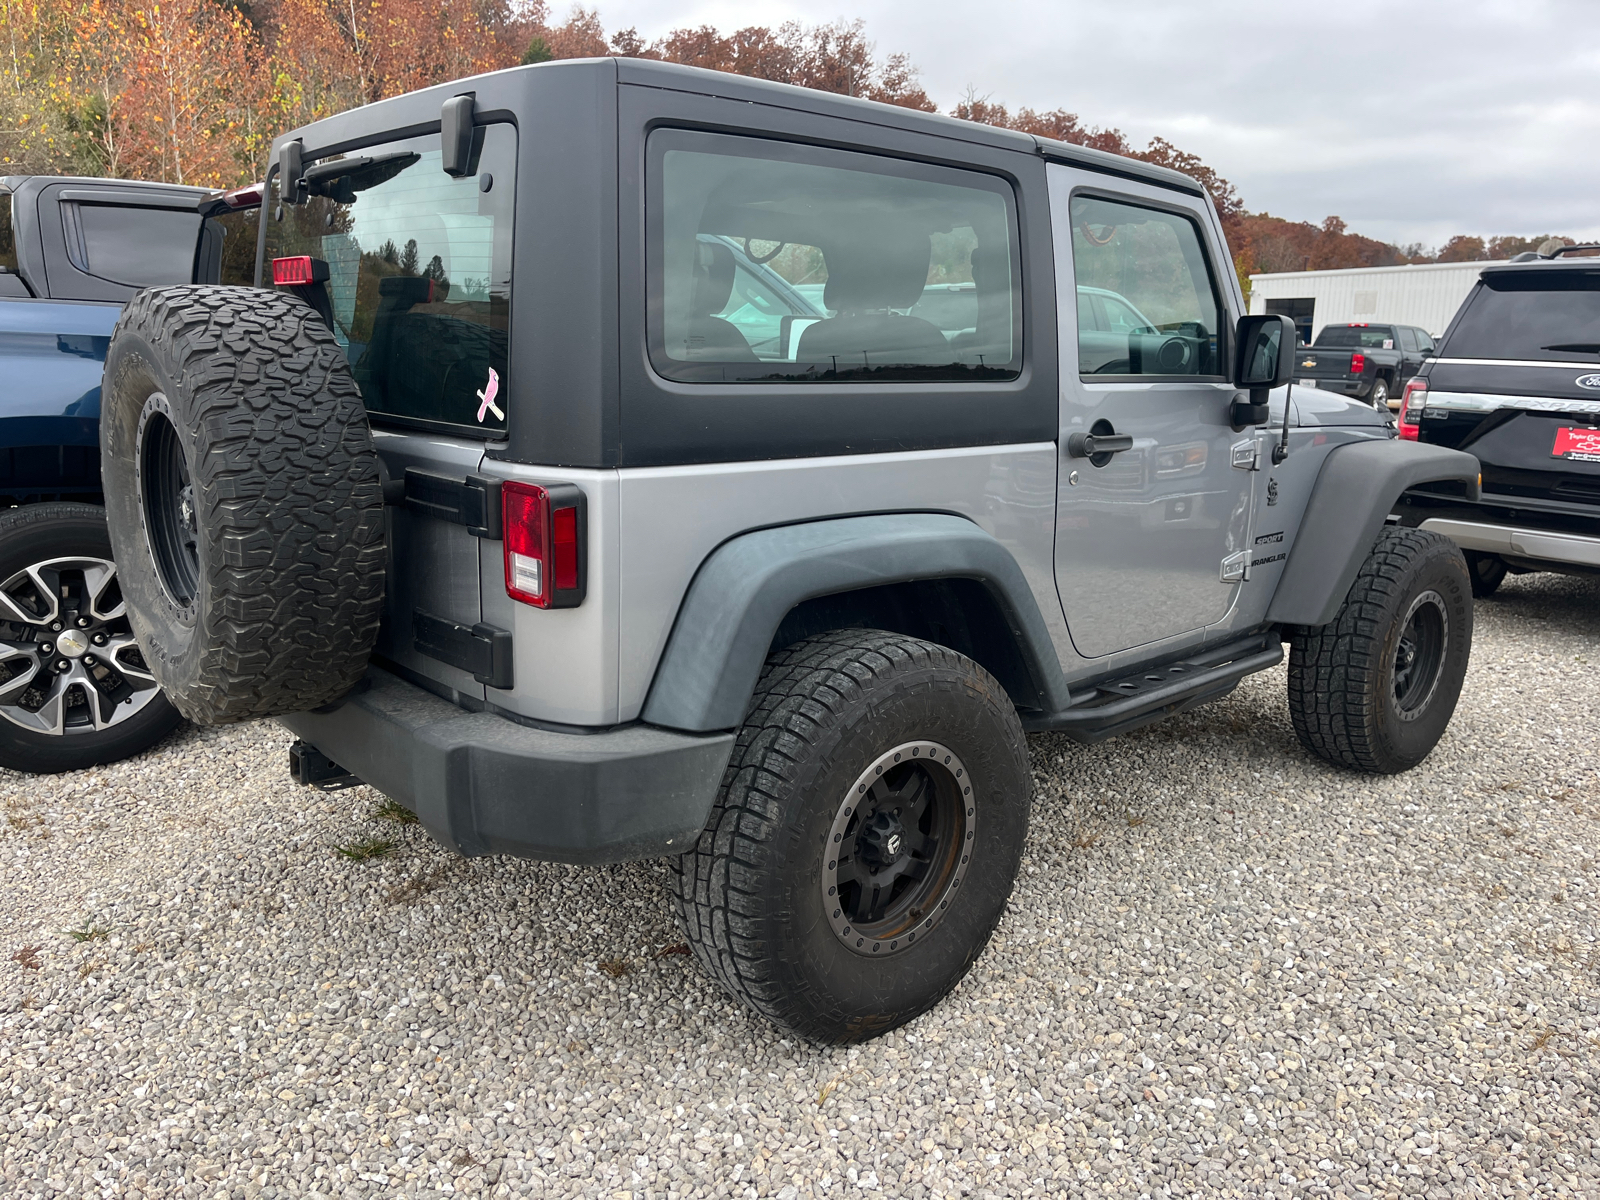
1281,450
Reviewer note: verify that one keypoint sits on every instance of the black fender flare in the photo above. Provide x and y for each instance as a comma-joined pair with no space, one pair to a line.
747,585
1355,491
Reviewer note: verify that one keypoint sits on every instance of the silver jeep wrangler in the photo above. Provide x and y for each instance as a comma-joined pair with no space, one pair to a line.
619,460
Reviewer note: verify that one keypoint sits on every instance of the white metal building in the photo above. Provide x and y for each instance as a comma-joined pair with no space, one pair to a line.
1425,294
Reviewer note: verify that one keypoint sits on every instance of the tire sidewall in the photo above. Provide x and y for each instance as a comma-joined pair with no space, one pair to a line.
1441,569
168,634
816,969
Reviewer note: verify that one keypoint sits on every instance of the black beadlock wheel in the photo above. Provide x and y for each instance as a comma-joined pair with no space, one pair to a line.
1374,690
75,690
866,836
244,501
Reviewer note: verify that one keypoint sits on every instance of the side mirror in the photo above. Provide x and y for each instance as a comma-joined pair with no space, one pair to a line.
1265,361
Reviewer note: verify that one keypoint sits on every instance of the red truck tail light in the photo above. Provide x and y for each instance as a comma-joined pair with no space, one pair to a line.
1358,363
1411,406
300,270
544,543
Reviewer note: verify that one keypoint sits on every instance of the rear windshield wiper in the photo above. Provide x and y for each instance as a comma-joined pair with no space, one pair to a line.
342,178
1575,348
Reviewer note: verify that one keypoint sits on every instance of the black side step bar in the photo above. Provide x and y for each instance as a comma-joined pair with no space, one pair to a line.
1117,705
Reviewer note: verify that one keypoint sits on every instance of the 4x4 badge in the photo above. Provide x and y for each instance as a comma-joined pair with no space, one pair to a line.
490,391
1589,381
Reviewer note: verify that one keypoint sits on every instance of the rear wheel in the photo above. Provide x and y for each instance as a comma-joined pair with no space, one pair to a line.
1374,690
866,837
1488,573
1379,395
75,691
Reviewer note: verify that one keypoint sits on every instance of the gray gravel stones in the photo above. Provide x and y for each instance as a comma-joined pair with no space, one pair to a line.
1228,970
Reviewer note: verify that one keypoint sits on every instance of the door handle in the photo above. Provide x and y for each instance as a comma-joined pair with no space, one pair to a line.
1087,445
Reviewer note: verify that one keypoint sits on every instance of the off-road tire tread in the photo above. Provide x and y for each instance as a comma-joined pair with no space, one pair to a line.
1334,669
801,687
287,490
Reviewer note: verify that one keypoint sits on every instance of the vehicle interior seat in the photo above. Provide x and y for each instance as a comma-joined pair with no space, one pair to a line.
879,270
989,276
710,337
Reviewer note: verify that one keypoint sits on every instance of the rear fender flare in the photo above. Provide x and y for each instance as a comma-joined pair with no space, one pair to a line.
1355,491
745,588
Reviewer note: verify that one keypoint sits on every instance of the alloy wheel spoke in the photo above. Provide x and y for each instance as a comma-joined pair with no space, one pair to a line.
18,684
98,577
116,646
44,588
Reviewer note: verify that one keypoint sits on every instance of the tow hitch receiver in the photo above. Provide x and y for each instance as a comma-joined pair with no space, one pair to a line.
312,767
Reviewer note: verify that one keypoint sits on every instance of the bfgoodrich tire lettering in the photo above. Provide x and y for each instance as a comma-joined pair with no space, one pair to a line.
1375,689
244,501
754,892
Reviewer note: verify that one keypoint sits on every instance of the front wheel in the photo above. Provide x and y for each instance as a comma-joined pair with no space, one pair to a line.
75,692
866,837
1374,690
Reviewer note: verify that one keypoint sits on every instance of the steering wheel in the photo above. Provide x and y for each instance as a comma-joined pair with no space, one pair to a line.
759,259
1088,232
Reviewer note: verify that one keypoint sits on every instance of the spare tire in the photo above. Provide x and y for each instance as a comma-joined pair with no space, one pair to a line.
244,501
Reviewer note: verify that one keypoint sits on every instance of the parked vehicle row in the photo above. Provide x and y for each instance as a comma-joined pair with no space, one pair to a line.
1516,383
75,689
1369,361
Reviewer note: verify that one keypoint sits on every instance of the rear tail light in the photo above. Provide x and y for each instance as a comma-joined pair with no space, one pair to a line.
300,270
1358,363
544,543
1411,406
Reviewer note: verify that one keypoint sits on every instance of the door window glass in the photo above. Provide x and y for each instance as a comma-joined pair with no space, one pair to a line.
1146,270
8,239
419,275
777,262
1408,340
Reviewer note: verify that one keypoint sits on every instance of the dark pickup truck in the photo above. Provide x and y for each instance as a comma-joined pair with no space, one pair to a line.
1516,382
1370,362
74,691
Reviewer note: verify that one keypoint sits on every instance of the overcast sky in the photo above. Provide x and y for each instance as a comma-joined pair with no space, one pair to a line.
1412,119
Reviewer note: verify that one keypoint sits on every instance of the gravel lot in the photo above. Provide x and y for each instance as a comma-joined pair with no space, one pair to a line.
1227,969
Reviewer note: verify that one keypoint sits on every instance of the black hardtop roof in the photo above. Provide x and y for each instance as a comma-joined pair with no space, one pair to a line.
404,114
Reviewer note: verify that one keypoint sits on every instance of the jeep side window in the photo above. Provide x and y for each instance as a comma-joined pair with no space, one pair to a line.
1146,269
770,261
419,277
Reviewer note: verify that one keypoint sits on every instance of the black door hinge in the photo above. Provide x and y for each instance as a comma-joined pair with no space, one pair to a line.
481,650
473,501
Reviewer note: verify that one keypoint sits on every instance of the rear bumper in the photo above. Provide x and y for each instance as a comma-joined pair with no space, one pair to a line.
1540,545
482,784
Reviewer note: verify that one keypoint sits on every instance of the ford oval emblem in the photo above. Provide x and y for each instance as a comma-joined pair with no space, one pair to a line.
1589,381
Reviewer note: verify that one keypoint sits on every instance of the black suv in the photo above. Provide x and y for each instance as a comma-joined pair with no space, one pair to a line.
1516,381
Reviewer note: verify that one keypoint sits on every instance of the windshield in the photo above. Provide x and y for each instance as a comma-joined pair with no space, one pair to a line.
1357,337
1553,316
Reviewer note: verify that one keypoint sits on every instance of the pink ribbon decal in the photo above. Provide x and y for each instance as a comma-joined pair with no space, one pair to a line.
487,396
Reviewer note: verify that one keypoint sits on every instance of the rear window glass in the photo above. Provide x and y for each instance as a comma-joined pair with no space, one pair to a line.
1550,316
419,275
1358,337
137,247
237,262
776,262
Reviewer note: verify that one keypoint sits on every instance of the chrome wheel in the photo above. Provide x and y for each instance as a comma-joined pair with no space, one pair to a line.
898,849
68,661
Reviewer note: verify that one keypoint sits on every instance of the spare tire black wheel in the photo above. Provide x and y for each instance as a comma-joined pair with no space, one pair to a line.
244,501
